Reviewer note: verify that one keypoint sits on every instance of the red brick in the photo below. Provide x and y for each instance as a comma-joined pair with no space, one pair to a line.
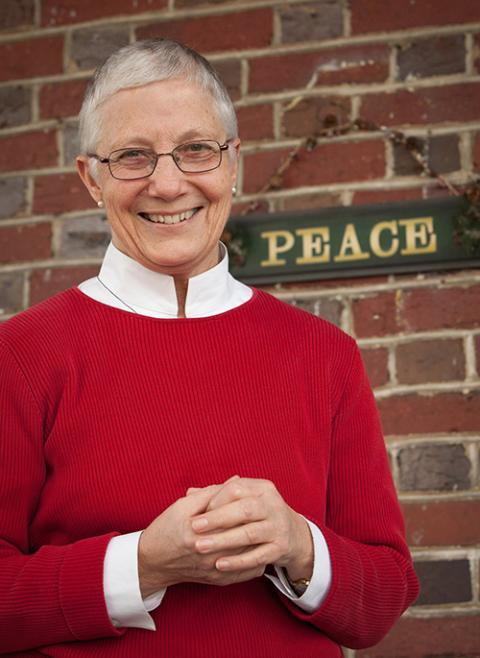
60,193
237,31
347,161
27,242
442,522
387,196
476,153
47,282
15,14
240,209
31,58
476,53
419,414
313,115
375,315
477,350
446,308
63,99
376,363
352,64
435,637
378,15
259,167
430,361
76,11
255,122
28,150
311,201
434,105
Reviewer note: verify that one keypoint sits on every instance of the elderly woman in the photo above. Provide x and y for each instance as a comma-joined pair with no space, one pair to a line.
188,467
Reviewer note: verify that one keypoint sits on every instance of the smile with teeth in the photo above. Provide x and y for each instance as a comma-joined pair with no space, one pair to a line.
168,219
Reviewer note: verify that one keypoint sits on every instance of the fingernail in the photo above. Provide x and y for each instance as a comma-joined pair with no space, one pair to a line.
199,524
204,544
222,564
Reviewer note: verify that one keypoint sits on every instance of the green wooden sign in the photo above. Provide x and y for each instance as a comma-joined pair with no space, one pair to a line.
347,241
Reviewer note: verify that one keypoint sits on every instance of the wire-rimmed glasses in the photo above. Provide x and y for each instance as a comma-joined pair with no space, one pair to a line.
191,158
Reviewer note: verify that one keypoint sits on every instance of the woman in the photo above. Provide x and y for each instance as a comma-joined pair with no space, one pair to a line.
169,435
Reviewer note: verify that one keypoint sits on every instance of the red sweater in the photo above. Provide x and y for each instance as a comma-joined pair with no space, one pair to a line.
107,417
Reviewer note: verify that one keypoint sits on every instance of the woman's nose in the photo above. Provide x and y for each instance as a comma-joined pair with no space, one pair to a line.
167,181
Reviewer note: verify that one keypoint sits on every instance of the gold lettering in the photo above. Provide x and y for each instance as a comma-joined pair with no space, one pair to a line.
275,248
315,249
350,248
420,237
375,245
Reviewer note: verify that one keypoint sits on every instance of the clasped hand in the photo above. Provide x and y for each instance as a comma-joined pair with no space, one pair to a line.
224,534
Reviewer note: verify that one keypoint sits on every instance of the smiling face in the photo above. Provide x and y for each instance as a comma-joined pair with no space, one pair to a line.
161,116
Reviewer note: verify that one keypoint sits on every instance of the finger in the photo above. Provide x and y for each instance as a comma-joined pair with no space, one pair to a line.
192,490
241,537
230,515
197,502
258,558
239,488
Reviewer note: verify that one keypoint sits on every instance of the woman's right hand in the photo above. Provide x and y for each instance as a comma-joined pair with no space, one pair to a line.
167,554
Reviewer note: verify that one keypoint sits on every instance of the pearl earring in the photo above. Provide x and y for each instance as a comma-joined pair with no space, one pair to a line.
234,190
100,204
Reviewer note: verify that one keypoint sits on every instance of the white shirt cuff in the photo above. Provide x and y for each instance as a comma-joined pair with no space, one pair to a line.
121,586
321,578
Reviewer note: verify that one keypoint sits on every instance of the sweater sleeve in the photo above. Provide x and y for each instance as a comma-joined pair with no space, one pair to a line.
373,580
54,594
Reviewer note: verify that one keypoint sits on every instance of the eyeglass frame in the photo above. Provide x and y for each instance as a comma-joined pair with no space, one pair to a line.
222,147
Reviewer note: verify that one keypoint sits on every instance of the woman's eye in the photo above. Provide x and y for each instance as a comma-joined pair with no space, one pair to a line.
196,149
131,154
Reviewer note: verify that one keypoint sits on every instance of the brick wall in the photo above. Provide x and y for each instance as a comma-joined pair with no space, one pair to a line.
411,65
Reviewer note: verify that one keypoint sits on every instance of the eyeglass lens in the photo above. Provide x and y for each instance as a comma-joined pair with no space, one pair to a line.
190,158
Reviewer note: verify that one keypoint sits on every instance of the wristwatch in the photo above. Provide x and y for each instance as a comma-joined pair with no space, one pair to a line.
299,586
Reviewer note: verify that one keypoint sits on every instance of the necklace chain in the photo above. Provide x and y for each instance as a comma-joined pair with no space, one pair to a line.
116,296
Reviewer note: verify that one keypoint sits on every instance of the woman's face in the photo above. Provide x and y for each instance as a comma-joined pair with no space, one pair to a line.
161,116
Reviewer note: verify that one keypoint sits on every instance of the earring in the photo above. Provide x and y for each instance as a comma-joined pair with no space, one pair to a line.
234,190
100,204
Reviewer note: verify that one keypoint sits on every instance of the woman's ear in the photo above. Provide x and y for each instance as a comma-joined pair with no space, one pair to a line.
87,178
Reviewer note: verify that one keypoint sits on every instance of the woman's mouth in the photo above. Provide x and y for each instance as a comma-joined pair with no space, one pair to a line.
157,218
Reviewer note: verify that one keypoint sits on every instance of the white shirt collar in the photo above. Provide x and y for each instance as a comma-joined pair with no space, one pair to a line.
153,294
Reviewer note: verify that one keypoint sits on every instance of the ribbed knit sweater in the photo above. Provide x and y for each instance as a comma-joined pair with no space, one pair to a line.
107,417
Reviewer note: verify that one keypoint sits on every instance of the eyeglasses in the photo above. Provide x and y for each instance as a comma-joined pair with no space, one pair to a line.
191,158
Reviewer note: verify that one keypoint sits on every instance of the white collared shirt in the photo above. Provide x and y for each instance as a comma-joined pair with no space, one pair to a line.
124,283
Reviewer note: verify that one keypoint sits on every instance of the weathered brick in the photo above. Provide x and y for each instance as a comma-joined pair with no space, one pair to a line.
255,122
420,414
433,467
27,242
404,163
259,167
15,106
476,53
91,46
11,292
313,115
230,71
442,522
309,201
434,105
378,15
237,31
77,11
439,55
443,581
244,208
312,21
84,237
15,14
31,57
430,361
376,363
350,64
476,153
13,196
444,154
61,99
201,3
477,351
375,315
28,150
347,161
387,196
445,308
60,193
71,144
328,309
429,637
47,282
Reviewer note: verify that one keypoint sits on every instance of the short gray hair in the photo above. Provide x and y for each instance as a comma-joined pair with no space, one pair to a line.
142,63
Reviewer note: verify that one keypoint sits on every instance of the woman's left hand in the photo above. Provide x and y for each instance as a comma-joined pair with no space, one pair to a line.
248,521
